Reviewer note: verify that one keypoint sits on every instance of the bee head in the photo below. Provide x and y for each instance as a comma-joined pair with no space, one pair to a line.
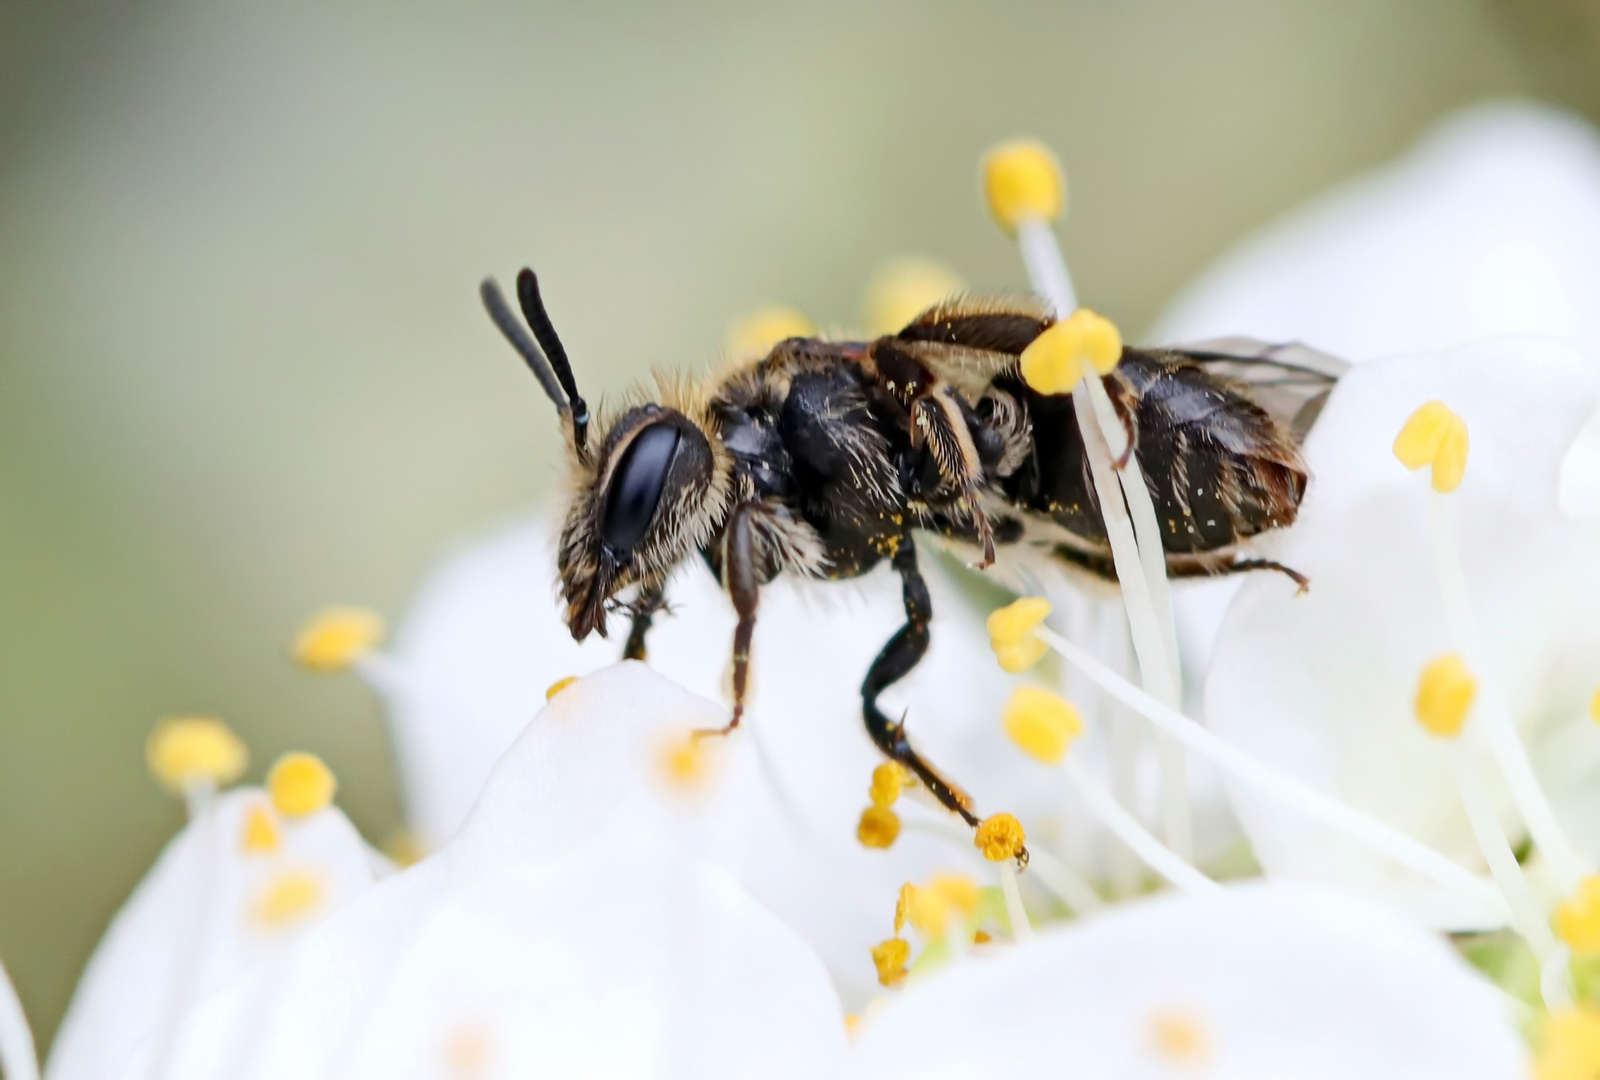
651,493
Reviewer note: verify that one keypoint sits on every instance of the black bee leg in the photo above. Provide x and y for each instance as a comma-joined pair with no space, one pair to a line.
898,657
1244,566
744,587
937,420
650,601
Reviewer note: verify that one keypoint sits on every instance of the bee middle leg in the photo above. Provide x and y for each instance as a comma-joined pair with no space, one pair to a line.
1244,566
894,662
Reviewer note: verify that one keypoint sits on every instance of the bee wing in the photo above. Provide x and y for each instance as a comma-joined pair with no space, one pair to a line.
1290,380
970,340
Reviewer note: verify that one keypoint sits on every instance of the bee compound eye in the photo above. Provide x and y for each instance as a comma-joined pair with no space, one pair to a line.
637,485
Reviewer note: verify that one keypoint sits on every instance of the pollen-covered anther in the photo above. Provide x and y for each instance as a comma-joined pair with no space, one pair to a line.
1445,693
1436,436
558,686
763,328
1569,1046
933,907
1011,635
888,781
902,905
1000,838
1022,181
288,897
260,835
890,958
337,637
1055,361
1594,707
684,763
1043,724
879,827
300,784
905,288
1577,919
187,750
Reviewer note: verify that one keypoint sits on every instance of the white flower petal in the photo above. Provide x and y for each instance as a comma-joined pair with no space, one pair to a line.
1255,982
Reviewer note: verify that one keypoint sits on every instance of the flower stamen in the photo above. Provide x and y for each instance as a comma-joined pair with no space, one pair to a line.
300,785
890,957
337,637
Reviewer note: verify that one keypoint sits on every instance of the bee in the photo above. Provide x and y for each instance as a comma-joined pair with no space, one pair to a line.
824,458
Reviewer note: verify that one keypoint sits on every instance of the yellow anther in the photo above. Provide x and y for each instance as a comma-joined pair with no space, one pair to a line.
1057,359
1000,838
1438,437
1445,692
1577,918
1179,1037
1021,656
879,827
1570,1046
261,833
185,750
981,937
558,686
337,637
902,905
852,1024
1022,181
1011,634
1041,723
943,898
890,958
763,328
888,780
288,898
300,784
685,763
1594,707
905,288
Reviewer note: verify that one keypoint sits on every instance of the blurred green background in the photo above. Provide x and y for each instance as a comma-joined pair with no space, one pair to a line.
243,369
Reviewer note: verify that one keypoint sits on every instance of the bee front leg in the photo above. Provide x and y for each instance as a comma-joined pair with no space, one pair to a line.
744,587
651,600
903,652
937,420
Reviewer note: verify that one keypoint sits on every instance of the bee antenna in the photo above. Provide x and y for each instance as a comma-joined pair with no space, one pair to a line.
539,323
500,311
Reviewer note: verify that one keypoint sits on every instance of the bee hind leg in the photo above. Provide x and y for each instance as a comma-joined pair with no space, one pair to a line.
1244,566
893,663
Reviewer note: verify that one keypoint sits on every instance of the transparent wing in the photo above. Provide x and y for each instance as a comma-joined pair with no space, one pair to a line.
1290,380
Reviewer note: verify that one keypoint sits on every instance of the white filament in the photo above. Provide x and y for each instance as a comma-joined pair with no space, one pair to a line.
1066,883
1016,914
18,1058
201,798
1156,856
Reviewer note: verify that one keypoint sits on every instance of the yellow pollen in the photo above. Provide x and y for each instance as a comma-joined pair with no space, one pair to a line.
184,750
1570,1046
905,288
1179,1037
1022,181
558,686
1594,707
879,827
1020,656
301,784
261,833
1445,692
336,637
888,780
1057,359
935,904
288,898
763,328
999,838
1041,723
1577,918
902,905
684,763
890,958
1011,634
852,1024
1435,436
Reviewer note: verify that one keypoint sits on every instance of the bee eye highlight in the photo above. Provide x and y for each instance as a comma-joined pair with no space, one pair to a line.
636,486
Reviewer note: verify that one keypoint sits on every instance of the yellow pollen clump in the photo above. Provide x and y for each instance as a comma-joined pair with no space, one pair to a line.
905,288
888,780
1011,635
763,328
981,937
1438,437
1041,723
301,784
902,905
1594,707
1445,692
336,637
1570,1046
685,763
558,686
1000,838
1179,1037
1057,359
184,750
288,898
890,958
1022,182
879,827
935,904
1577,918
261,833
